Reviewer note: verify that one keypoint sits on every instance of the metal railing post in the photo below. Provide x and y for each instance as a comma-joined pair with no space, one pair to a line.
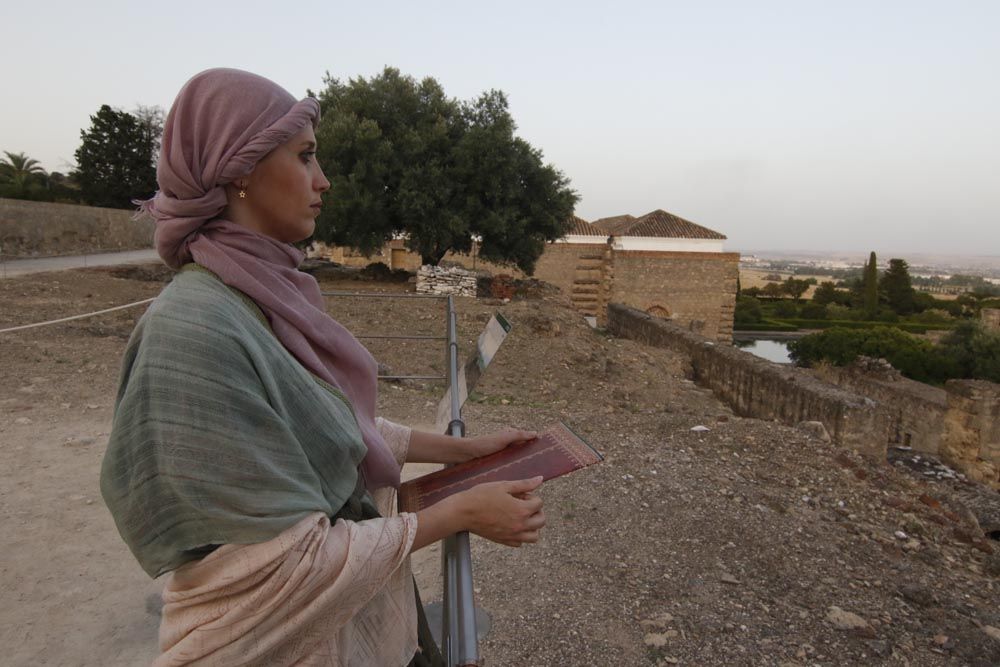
459,639
459,618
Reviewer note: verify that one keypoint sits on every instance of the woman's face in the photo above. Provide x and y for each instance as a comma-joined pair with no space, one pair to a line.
283,192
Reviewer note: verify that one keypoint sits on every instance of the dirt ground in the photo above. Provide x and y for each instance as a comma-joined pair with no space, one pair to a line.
750,543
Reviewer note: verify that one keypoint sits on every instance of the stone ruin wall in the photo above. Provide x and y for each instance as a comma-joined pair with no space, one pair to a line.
696,290
755,387
990,318
959,424
970,438
33,229
914,410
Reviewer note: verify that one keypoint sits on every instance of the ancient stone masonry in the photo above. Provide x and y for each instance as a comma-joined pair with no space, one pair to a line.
959,424
871,407
437,280
914,410
694,289
755,387
990,318
31,229
970,439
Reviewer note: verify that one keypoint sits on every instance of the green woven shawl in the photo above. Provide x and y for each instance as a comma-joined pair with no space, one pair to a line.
220,436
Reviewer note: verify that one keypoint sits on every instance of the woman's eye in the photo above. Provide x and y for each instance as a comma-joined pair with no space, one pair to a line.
307,156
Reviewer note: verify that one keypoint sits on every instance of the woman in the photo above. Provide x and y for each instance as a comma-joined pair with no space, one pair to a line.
245,457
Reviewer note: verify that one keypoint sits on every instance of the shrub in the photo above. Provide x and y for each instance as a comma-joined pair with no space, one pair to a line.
974,350
814,311
835,311
932,316
747,311
915,358
785,309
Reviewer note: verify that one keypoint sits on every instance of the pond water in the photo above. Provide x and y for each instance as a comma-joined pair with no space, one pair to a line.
772,350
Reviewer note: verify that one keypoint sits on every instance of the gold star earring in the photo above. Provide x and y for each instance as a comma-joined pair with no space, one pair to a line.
243,191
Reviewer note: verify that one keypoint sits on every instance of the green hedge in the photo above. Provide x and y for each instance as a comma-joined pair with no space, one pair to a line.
909,327
766,325
915,358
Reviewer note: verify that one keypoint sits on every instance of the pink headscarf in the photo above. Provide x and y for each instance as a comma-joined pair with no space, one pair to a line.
221,124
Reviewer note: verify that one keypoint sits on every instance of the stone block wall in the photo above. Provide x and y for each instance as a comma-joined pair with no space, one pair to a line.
914,410
33,229
990,318
696,290
970,439
755,387
558,263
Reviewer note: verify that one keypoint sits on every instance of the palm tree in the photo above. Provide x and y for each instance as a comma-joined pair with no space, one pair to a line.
18,168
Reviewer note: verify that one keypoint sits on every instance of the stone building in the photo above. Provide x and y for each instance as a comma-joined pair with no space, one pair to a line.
660,263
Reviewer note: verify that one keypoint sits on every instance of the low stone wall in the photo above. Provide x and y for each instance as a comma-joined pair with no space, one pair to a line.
34,229
914,410
436,280
755,387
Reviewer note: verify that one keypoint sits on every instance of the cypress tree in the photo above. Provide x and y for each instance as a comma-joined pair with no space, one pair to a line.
897,287
871,287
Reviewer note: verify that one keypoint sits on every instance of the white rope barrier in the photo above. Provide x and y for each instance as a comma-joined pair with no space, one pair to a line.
76,317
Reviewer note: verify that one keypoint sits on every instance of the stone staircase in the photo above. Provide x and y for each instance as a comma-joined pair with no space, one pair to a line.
587,292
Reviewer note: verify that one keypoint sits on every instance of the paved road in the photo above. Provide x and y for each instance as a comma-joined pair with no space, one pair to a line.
20,267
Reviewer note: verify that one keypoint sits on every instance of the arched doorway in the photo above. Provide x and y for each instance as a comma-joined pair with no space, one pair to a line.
659,311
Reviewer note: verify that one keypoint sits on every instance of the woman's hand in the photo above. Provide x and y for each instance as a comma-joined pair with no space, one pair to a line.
488,444
504,512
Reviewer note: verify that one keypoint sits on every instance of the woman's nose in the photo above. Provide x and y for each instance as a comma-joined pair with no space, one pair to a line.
322,184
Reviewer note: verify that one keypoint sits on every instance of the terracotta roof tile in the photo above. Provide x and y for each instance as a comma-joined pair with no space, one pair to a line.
581,227
613,224
660,224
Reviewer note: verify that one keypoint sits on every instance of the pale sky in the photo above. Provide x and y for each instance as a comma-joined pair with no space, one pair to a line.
835,125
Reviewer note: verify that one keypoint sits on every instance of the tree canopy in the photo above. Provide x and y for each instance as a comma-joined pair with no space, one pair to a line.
406,160
895,284
795,287
827,293
115,160
917,359
21,177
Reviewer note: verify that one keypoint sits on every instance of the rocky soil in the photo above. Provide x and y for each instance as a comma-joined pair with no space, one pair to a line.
743,542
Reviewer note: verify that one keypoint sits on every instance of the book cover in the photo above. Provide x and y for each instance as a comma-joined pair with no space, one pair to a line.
556,451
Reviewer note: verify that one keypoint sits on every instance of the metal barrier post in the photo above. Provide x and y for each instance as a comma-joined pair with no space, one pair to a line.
460,641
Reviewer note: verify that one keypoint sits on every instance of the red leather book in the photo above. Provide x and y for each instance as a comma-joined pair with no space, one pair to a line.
556,451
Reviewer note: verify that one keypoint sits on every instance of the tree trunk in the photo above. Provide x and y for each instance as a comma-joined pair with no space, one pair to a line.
433,258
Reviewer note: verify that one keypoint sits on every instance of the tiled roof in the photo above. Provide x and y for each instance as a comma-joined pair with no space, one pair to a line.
613,224
660,224
581,227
